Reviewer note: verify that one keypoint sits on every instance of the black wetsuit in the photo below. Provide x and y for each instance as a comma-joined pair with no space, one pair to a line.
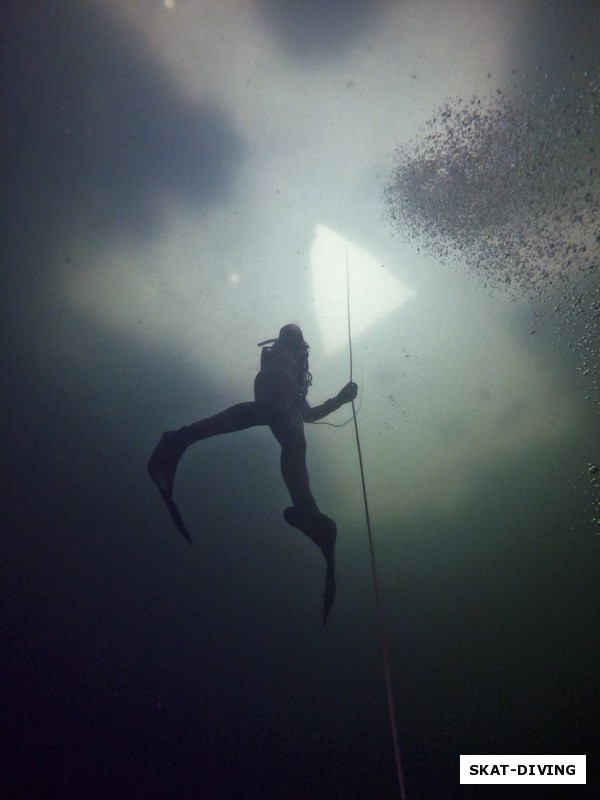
280,402
280,390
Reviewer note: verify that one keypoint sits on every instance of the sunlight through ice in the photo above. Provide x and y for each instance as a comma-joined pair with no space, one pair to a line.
374,293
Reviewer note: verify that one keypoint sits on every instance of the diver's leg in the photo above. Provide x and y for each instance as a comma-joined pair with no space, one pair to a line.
290,435
304,514
163,462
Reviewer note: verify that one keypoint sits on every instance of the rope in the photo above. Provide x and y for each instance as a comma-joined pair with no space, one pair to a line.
337,424
380,619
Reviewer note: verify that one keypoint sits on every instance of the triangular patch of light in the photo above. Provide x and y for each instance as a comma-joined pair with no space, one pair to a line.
374,292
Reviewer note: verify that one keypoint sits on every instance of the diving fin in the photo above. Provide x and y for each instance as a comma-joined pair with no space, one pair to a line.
329,595
161,466
321,530
179,524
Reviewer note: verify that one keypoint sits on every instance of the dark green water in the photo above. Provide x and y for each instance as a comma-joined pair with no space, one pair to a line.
132,666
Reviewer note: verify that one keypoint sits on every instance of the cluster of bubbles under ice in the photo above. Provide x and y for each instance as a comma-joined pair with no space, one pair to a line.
507,186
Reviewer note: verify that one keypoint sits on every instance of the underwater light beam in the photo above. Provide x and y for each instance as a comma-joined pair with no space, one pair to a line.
374,292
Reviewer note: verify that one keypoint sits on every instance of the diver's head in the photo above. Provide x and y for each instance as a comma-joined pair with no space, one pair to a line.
291,337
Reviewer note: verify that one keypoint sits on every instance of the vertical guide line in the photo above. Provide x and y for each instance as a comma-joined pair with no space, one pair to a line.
380,619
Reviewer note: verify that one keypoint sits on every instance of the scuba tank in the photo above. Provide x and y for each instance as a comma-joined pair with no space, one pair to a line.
289,351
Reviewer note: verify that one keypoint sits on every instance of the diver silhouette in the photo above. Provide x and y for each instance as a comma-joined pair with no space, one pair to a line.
280,390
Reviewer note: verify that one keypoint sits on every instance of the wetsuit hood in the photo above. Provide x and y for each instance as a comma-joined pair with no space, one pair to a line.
290,337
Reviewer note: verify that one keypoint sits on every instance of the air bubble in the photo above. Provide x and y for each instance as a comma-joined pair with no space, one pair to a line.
508,185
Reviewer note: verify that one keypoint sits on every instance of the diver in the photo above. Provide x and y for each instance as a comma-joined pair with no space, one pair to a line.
280,390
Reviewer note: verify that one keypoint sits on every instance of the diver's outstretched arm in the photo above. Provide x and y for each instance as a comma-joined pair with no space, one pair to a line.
345,395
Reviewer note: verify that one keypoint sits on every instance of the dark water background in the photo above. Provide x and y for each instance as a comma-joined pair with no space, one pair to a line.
132,667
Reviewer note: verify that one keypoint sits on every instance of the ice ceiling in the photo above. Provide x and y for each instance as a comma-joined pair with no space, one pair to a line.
446,384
